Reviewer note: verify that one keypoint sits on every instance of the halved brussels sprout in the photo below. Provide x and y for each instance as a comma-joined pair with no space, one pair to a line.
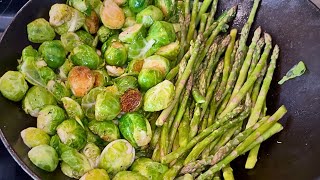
125,175
131,100
136,129
80,80
92,138
169,51
58,89
134,67
73,109
130,21
138,5
68,171
65,18
77,161
81,5
46,73
140,48
124,83
107,106
149,169
127,12
96,174
95,5
85,37
149,78
108,42
49,118
166,6
72,134
56,143
117,156
116,54
44,157
149,15
115,71
101,78
13,86
104,33
35,99
92,152
112,15
40,31
53,53
70,40
157,62
33,137
106,130
130,34
89,101
29,52
159,97
84,55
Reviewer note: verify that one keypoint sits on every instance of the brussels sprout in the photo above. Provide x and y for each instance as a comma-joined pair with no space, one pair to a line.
101,78
138,5
124,175
127,12
166,6
77,161
159,97
35,99
72,134
80,80
157,62
132,33
89,101
115,71
126,82
56,143
53,53
169,51
149,15
73,109
92,152
140,48
13,86
44,157
107,43
117,156
85,55
106,130
92,138
116,54
70,40
68,171
64,18
85,37
46,73
136,129
81,5
134,67
96,174
148,168
131,100
112,15
40,31
95,5
130,21
58,89
104,33
29,52
33,137
149,78
49,118
107,106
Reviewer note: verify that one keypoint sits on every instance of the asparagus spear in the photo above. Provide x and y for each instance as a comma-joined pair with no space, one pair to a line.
206,151
256,55
227,173
156,153
184,129
172,73
197,96
173,171
194,124
175,144
224,139
257,85
204,17
192,25
205,5
212,13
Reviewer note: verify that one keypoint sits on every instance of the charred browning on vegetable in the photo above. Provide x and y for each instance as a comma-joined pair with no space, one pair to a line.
81,80
130,100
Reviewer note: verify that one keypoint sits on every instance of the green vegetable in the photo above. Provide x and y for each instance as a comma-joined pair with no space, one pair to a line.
106,130
46,74
92,23
44,157
58,89
116,54
107,106
13,86
166,6
127,12
53,53
295,71
49,118
104,33
56,143
130,21
64,70
70,40
132,33
68,171
159,97
81,80
101,78
149,15
150,169
86,37
80,5
92,152
40,31
84,55
149,78
134,67
125,83
73,109
77,161
33,137
131,100
169,51
138,5
89,101
112,16
96,174
157,62
124,175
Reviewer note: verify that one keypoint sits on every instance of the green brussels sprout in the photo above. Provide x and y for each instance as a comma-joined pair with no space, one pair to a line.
95,5
134,67
106,130
130,34
58,89
166,6
53,53
112,15
73,109
89,100
92,138
70,40
96,174
149,77
49,118
35,99
136,129
130,100
46,74
92,152
127,12
116,54
33,137
72,134
149,15
140,48
77,161
124,175
107,106
13,86
85,37
80,80
120,2
68,171
126,82
104,33
148,168
159,97
44,157
29,52
130,21
85,55
40,31
56,143
91,24
101,78
80,5
138,5
64,18
115,71
108,42
169,51
157,62
116,156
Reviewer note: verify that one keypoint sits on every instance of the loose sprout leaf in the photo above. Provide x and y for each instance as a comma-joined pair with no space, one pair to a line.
297,70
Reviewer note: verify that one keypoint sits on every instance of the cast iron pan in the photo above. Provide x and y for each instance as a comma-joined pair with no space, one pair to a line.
292,154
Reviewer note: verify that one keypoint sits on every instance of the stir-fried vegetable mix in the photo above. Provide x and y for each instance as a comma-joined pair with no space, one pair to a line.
141,89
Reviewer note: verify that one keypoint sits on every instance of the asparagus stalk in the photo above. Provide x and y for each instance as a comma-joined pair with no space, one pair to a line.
173,171
256,55
164,140
175,144
206,151
194,124
155,137
212,13
173,73
257,85
217,176
197,96
184,129
224,139
156,153
227,173
204,17
204,124
205,5
192,25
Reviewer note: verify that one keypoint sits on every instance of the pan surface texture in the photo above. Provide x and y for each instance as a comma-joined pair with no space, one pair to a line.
292,154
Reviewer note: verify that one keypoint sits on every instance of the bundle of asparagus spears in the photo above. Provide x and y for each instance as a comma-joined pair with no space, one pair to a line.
219,109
